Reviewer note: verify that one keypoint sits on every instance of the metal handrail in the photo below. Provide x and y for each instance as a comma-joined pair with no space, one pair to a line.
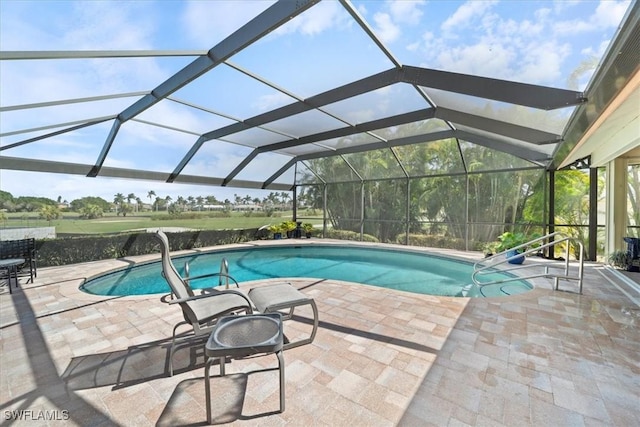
479,268
224,273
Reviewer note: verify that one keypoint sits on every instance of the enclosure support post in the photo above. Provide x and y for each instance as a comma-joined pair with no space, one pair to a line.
361,211
408,215
593,214
616,211
552,209
466,213
545,198
324,210
295,203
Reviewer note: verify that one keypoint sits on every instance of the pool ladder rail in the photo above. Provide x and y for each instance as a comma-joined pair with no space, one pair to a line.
488,265
223,275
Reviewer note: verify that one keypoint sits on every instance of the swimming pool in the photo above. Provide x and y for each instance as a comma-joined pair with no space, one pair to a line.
389,268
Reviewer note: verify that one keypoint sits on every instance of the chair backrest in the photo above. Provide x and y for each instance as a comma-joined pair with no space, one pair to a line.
175,281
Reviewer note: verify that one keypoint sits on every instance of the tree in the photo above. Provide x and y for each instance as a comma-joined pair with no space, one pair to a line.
285,197
49,213
77,205
118,200
131,197
126,208
168,200
91,211
151,194
437,198
159,202
180,201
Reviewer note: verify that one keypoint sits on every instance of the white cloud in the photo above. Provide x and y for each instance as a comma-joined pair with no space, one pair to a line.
99,25
385,28
271,101
542,63
317,19
208,22
405,11
465,14
608,14
479,59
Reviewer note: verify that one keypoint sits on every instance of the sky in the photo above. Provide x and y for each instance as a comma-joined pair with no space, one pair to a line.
538,42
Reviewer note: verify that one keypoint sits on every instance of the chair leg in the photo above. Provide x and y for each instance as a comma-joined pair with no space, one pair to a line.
223,360
312,336
173,347
281,369
207,388
316,321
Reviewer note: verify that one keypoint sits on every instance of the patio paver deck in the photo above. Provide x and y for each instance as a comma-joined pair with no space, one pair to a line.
380,358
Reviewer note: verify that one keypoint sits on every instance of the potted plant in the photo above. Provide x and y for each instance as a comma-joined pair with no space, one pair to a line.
288,227
490,248
276,230
308,229
620,259
509,240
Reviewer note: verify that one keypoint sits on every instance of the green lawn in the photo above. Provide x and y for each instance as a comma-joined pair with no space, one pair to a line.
70,223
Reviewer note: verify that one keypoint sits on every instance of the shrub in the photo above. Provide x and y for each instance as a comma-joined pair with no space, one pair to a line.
350,235
619,259
432,241
64,251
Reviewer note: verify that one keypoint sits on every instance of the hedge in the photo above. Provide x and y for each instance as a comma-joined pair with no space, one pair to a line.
73,250
350,235
432,241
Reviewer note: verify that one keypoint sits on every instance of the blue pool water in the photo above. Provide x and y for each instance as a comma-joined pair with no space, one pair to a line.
394,269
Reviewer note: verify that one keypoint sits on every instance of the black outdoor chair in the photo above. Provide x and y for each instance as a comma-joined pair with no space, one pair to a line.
25,249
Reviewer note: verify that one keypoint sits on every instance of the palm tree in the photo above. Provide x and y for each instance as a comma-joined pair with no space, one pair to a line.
131,197
49,212
118,199
168,200
151,194
91,211
285,197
